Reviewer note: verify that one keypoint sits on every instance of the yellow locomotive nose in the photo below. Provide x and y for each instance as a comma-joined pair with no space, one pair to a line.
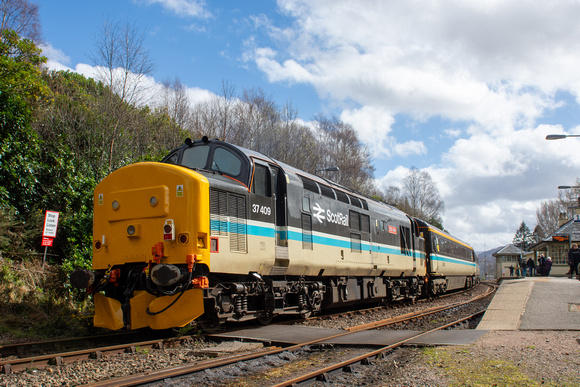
148,221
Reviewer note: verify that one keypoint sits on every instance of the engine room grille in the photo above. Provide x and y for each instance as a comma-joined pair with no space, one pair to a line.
228,218
237,214
218,209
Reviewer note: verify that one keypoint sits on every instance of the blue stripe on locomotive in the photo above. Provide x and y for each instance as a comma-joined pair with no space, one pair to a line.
269,232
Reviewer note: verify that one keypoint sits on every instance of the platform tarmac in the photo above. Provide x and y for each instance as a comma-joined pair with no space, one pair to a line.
534,303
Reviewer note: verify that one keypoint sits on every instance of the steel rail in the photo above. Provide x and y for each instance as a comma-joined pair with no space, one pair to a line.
152,376
10,365
44,347
358,359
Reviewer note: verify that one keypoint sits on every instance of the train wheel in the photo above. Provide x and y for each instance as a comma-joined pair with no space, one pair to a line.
305,314
265,320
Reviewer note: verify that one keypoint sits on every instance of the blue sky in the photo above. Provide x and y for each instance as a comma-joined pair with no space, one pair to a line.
464,90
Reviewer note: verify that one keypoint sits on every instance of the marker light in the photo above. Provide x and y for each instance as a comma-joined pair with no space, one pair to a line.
169,230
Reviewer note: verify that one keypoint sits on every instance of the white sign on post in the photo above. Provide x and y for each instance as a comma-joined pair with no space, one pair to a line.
50,224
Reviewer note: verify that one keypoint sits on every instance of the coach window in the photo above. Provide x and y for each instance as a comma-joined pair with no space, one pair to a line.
262,184
405,240
435,244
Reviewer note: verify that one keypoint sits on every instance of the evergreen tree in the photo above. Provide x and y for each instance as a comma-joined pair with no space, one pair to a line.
524,237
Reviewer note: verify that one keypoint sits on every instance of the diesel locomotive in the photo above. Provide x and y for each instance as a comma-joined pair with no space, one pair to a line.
216,232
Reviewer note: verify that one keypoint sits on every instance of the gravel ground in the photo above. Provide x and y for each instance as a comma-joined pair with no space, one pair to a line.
500,358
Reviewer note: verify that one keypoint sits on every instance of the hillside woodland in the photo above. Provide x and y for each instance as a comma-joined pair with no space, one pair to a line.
61,133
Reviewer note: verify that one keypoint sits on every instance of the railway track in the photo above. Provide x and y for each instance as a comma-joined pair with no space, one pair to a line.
203,365
324,374
41,348
59,358
50,358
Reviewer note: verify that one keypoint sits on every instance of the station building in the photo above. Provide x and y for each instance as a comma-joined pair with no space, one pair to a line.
557,245
509,256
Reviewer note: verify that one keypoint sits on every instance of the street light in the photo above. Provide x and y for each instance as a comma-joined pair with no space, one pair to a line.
560,136
329,169
578,200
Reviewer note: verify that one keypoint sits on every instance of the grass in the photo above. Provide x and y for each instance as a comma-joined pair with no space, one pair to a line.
462,369
36,305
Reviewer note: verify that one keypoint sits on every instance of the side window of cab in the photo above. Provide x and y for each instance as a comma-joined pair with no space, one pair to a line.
262,184
172,158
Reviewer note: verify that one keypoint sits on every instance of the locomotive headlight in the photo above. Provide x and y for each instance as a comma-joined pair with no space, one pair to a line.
133,230
115,205
153,201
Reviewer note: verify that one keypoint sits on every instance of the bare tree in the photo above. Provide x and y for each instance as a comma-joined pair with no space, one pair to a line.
258,122
124,63
340,147
421,196
224,104
123,60
392,195
175,103
548,216
21,16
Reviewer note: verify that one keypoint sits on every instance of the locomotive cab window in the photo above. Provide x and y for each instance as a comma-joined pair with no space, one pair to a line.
226,162
172,158
262,183
195,157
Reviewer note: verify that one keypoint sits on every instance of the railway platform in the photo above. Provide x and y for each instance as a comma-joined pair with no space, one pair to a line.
534,303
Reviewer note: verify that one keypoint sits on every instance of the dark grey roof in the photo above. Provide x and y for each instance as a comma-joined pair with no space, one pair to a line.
571,229
510,249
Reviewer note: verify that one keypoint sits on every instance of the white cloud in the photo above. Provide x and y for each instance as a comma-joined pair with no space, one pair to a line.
54,56
489,70
150,88
452,133
182,8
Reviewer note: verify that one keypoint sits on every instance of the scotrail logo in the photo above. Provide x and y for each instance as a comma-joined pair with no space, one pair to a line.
319,213
331,217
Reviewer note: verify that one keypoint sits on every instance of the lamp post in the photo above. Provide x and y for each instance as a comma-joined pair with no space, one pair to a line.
576,217
560,136
329,169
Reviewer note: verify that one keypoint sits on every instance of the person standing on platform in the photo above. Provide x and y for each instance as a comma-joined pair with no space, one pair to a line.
548,267
541,264
511,270
573,260
531,267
